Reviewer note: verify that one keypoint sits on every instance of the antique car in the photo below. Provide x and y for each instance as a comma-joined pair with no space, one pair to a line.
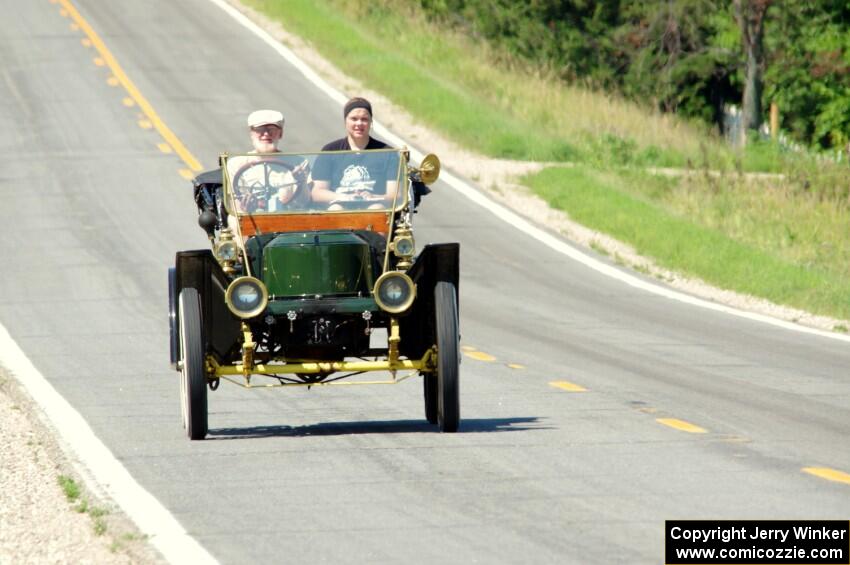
313,278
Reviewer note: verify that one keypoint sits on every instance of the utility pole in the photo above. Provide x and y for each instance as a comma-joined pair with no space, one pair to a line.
774,121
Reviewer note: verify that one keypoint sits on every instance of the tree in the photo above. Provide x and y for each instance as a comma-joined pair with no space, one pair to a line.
807,49
690,57
678,55
750,17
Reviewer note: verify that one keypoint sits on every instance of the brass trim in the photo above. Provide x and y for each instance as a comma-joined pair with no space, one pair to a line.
403,233
406,304
393,340
426,364
226,239
247,384
228,297
429,169
400,238
248,347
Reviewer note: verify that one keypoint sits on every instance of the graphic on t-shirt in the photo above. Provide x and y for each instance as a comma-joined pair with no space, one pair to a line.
356,178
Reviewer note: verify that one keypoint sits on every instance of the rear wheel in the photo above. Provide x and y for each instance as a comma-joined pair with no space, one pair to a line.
193,379
448,359
429,385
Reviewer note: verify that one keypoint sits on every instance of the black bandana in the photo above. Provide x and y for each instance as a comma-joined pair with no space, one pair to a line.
356,103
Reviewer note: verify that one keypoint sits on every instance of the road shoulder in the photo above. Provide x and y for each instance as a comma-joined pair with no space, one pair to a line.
38,522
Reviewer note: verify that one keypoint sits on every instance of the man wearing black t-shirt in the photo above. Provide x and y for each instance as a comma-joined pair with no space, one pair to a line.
363,176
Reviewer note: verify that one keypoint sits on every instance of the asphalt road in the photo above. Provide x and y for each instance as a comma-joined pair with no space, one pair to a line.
93,211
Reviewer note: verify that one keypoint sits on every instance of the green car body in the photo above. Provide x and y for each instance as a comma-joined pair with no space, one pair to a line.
294,290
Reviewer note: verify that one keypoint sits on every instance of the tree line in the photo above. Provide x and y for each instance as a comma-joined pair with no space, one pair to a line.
692,57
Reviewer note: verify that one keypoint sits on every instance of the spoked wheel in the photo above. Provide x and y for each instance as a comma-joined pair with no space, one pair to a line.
429,385
448,359
193,385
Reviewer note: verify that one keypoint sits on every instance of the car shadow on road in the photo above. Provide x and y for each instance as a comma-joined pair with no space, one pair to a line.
474,425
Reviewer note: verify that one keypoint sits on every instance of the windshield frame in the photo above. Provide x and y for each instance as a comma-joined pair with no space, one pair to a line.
399,199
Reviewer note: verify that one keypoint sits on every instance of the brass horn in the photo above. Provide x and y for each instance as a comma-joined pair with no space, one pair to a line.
429,169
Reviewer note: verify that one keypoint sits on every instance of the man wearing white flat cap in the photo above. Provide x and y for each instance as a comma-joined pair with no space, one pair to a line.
266,130
289,178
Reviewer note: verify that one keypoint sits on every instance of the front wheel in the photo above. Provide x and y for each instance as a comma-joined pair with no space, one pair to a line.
193,379
448,358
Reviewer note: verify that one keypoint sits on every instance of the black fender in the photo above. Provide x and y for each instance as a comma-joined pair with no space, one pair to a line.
438,262
199,269
172,317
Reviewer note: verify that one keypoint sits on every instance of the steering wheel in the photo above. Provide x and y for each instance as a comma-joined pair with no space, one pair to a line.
257,184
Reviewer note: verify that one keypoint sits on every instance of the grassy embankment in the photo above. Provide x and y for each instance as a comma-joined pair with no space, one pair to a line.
786,239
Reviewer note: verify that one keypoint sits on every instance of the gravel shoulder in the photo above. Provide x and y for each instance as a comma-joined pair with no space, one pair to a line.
38,523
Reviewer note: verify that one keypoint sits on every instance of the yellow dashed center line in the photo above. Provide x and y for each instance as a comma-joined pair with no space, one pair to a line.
515,366
138,98
828,474
99,61
480,356
186,174
682,425
112,81
568,386
86,42
164,147
467,348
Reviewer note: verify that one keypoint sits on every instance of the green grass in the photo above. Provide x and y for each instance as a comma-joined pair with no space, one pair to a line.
764,156
458,87
645,211
785,239
454,110
99,523
490,101
72,493
69,487
120,543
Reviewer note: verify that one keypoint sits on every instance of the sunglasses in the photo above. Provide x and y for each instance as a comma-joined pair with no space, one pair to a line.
260,130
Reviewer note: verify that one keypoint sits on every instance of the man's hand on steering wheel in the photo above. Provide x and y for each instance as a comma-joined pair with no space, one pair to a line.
301,172
283,192
247,201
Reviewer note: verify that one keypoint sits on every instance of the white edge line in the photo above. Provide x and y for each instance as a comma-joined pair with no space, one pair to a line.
509,216
163,530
